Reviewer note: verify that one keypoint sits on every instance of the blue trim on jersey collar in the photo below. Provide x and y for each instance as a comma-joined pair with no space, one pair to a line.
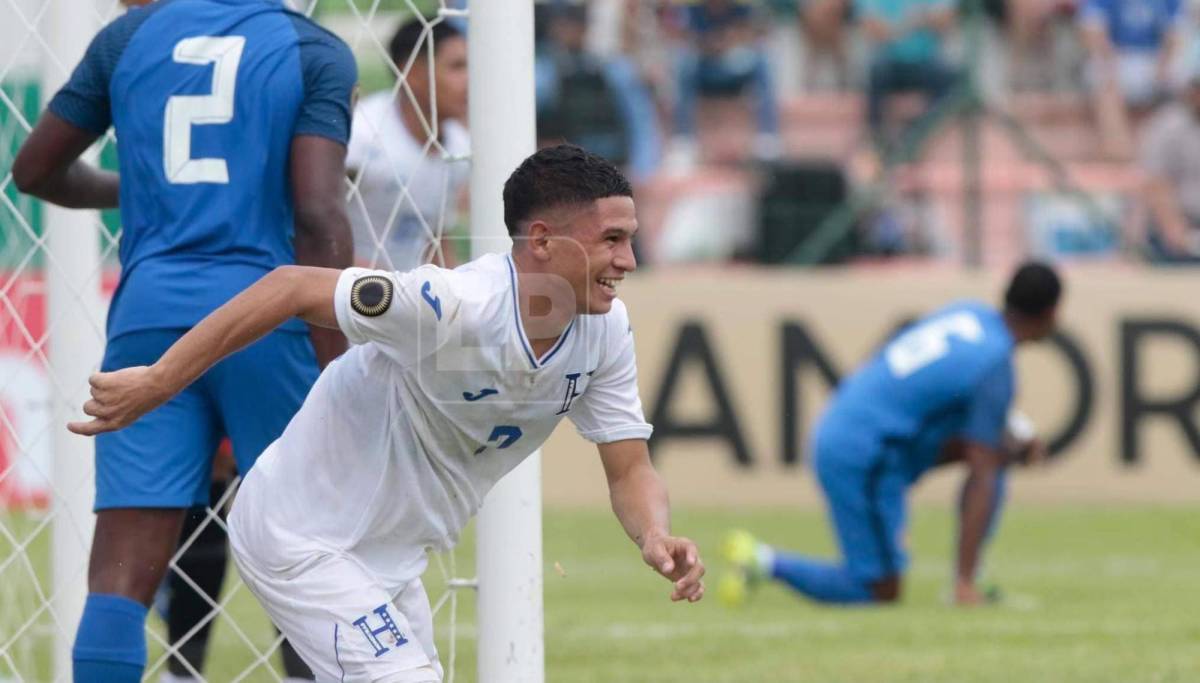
512,278
561,339
533,360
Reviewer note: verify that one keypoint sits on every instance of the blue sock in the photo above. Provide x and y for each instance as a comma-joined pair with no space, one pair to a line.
110,646
822,581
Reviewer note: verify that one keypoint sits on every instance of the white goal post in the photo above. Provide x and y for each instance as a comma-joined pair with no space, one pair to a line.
503,132
75,325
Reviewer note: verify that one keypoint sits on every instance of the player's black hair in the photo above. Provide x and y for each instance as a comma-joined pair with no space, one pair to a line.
1033,290
410,35
559,176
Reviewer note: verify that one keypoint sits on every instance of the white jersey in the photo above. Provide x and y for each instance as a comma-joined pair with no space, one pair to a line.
400,438
408,192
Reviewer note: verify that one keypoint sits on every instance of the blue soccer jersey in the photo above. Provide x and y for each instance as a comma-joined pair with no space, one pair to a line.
948,375
1135,24
205,96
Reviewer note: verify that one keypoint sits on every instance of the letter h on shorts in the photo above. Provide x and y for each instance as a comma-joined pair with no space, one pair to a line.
372,635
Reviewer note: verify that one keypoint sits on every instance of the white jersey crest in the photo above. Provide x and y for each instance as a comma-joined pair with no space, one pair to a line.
401,437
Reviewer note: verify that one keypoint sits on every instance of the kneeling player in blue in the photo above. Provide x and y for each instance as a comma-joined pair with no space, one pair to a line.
939,393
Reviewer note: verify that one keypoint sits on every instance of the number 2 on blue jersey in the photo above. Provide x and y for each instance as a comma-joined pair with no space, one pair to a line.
185,111
930,341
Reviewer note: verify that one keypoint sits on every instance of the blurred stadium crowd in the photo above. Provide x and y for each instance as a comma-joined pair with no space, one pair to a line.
830,131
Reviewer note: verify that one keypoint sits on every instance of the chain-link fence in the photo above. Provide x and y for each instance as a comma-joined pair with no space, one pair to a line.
44,539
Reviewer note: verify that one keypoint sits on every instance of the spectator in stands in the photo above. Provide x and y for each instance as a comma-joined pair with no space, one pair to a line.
598,103
906,55
1131,45
823,25
633,29
1029,28
407,157
1170,157
723,55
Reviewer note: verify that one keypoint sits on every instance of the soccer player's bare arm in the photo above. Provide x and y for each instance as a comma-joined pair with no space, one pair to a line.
48,167
639,499
323,236
979,489
953,451
120,397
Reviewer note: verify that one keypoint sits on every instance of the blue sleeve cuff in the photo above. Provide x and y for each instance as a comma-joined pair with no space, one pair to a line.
84,100
330,77
80,111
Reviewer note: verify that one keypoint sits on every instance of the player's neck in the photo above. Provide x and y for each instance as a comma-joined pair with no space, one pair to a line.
546,307
1018,328
540,346
543,320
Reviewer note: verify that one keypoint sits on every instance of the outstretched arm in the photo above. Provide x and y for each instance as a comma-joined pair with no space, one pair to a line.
323,236
983,465
120,397
639,500
48,167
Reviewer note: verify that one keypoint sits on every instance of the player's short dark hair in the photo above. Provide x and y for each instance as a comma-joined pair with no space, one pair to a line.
1033,290
412,32
556,176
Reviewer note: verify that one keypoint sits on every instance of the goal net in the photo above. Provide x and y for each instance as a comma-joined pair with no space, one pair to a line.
54,290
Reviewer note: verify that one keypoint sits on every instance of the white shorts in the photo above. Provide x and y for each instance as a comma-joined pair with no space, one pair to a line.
344,624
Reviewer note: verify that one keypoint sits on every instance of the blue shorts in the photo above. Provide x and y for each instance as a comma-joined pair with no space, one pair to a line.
165,458
865,484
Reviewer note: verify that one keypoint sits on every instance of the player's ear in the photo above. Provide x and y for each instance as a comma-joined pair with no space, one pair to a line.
537,239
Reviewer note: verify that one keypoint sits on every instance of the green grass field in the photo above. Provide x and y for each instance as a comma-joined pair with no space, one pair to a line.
1094,595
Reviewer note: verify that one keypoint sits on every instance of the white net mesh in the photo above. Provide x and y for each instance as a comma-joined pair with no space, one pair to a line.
403,195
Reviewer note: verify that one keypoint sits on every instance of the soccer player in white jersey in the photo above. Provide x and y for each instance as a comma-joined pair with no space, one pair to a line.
455,377
406,152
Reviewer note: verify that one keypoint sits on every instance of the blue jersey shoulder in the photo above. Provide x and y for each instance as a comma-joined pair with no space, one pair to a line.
931,368
949,346
997,340
84,100
206,199
988,375
330,76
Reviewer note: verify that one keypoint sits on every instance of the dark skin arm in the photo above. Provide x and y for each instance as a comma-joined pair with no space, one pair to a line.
983,466
954,450
323,238
48,167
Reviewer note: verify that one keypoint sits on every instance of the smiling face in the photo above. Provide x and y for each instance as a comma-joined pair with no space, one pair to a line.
593,251
572,219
